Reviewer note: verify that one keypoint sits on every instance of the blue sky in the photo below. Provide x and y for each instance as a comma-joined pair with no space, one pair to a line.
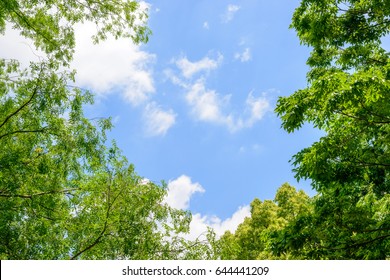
205,61
194,106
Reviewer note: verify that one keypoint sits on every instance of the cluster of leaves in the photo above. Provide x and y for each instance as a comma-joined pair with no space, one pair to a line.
50,24
348,97
63,193
345,223
255,238
331,225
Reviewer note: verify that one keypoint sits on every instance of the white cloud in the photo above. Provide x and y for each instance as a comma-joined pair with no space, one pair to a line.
175,79
206,25
230,12
200,223
208,106
143,7
189,68
244,56
113,64
116,119
257,107
179,195
14,46
242,41
251,149
180,191
158,121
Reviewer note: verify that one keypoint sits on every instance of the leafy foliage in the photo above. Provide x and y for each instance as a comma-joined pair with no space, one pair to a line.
255,237
348,98
344,224
50,24
63,193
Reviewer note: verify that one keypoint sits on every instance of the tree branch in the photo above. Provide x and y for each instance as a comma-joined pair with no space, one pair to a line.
23,131
102,233
364,243
361,119
20,108
23,18
30,196
97,240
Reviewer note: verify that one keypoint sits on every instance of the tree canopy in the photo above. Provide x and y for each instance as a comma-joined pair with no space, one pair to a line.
347,97
255,238
50,24
64,193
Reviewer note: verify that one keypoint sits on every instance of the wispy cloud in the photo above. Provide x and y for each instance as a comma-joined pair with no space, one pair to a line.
257,107
205,103
206,25
189,68
254,149
208,105
243,56
230,12
158,121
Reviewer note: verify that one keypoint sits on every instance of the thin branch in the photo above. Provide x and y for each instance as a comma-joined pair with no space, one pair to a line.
361,119
184,248
369,59
371,112
23,18
370,241
360,244
97,240
374,230
20,108
24,131
102,233
30,196
377,24
364,163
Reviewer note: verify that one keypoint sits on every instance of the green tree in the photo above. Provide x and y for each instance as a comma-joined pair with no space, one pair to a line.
347,97
342,224
255,237
50,24
205,247
64,193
